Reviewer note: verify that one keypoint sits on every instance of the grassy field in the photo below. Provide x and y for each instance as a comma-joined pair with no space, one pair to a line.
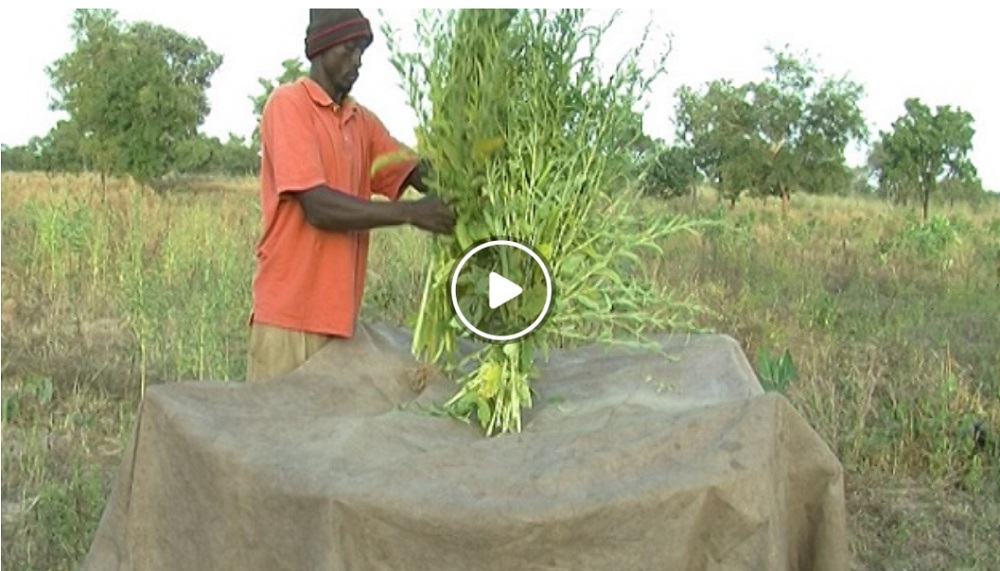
893,327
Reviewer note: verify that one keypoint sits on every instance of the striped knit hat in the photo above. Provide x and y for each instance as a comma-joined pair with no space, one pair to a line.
330,26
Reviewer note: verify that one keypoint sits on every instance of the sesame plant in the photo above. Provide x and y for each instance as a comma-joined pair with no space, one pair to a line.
531,141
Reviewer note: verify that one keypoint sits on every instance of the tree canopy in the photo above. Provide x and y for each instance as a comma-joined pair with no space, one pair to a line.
926,150
788,131
136,94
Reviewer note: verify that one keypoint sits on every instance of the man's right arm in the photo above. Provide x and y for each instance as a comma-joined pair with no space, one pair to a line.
298,171
335,211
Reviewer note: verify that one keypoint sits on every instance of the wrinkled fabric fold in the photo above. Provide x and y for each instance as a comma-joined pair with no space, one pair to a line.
628,460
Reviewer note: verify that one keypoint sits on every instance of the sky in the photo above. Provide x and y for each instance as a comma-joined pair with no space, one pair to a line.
937,51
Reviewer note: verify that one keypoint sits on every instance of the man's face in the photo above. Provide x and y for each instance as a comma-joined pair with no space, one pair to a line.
342,63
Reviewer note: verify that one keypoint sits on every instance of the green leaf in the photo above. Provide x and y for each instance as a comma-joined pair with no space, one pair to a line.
483,412
462,235
533,302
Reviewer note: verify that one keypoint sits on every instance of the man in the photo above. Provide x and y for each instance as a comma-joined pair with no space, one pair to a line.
323,156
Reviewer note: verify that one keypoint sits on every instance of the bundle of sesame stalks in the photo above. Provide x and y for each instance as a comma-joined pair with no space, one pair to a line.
529,142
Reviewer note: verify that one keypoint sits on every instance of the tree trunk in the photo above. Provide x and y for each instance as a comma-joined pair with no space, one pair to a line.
925,200
785,198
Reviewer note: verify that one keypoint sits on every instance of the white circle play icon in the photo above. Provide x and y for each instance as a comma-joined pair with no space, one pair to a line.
502,322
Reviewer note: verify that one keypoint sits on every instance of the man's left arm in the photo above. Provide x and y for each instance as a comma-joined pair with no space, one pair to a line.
394,166
417,176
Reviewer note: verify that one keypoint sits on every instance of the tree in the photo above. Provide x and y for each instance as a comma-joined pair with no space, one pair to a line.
926,148
292,69
860,183
833,121
779,106
893,185
133,92
717,129
784,133
236,156
669,171
22,158
195,154
804,127
969,190
60,150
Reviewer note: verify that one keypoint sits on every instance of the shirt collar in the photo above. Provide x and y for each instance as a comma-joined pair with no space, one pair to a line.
322,98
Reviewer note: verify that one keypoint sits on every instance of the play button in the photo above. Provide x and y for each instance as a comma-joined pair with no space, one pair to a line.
501,290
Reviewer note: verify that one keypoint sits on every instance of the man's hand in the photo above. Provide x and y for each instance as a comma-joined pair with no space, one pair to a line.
430,213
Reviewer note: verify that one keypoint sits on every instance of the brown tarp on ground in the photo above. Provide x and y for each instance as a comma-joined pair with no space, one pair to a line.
629,460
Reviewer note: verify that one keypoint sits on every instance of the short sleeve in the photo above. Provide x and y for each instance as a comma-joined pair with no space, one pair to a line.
392,161
288,141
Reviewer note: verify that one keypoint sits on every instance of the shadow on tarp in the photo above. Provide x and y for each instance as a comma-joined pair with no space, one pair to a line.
628,460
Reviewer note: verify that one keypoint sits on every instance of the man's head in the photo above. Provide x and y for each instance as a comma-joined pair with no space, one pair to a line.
335,40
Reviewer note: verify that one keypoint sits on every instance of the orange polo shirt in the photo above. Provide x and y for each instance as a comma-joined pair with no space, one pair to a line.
308,279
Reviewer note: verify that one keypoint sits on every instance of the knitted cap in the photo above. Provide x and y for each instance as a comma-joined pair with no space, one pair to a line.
331,26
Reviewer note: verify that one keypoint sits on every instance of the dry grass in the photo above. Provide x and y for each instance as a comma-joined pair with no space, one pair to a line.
891,325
